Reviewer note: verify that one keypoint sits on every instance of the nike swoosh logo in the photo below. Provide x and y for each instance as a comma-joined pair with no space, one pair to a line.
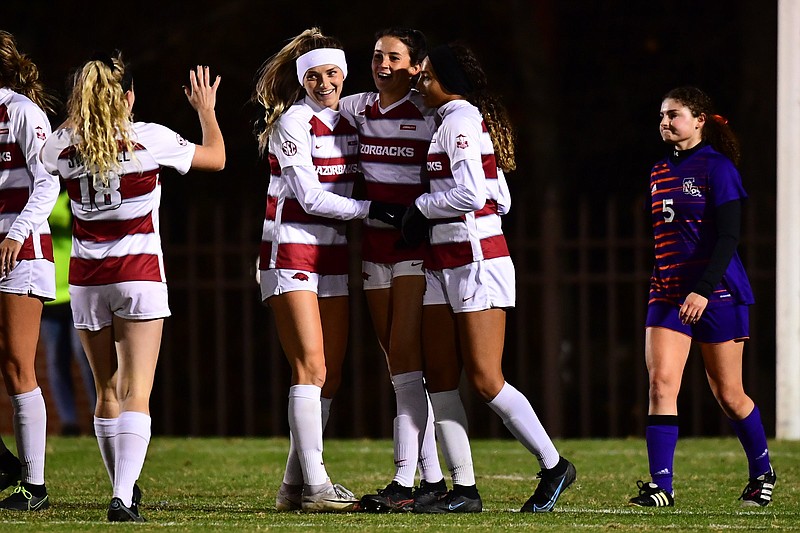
317,146
418,263
552,501
390,215
470,298
451,507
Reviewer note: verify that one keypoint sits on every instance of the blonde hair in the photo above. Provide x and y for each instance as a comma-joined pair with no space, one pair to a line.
276,84
99,115
19,73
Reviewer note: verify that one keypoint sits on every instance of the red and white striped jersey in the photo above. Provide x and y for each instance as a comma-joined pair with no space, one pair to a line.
468,193
392,153
313,160
115,235
27,192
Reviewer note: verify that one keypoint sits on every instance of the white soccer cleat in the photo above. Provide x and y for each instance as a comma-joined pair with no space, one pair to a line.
332,498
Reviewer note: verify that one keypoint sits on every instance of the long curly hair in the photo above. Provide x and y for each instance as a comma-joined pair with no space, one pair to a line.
495,115
716,130
98,112
20,74
276,86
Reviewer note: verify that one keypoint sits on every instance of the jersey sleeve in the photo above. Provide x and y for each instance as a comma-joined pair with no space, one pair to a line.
52,148
461,142
350,106
167,148
290,141
726,183
31,130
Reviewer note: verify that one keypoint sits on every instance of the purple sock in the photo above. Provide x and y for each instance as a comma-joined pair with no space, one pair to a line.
661,436
751,434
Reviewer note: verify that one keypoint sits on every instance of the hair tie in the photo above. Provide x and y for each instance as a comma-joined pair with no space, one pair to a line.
720,119
449,72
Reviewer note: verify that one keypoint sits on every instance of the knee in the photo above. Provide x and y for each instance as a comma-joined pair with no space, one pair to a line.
311,373
18,377
734,402
663,388
487,386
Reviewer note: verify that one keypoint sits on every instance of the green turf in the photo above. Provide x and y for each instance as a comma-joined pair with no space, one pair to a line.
229,485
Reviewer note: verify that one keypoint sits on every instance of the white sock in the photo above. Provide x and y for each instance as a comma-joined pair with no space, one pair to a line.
105,429
30,430
409,425
520,419
451,430
429,468
293,475
305,423
130,446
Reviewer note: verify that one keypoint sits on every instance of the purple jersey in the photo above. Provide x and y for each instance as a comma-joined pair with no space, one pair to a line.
684,199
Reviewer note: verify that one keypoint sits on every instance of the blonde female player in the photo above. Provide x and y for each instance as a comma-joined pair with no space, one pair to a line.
394,131
470,276
303,260
27,273
117,287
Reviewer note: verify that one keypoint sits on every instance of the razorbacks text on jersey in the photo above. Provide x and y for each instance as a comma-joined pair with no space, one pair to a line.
393,147
683,200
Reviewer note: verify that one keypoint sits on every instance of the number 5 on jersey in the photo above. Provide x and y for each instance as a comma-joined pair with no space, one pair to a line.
669,213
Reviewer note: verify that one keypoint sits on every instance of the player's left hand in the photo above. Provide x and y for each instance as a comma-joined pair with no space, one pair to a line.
692,308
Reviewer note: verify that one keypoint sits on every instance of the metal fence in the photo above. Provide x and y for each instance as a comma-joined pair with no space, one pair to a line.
574,342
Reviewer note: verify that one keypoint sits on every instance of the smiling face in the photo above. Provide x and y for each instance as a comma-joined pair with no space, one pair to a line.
323,84
679,126
433,94
391,67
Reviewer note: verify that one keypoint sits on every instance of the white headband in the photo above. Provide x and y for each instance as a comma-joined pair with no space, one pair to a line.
320,56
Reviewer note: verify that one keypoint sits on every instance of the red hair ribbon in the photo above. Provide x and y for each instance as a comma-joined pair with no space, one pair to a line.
720,119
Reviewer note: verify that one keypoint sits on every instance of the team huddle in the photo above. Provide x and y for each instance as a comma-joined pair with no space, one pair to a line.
432,145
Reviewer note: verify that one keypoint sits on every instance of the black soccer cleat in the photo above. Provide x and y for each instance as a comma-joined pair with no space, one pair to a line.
22,499
395,498
553,482
651,495
758,491
118,512
451,502
428,493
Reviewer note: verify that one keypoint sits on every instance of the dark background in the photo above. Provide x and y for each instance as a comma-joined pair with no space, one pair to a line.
583,81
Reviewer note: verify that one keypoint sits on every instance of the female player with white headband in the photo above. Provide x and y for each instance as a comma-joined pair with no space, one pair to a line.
303,260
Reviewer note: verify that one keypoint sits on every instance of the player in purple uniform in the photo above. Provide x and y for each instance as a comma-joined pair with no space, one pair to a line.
470,277
394,130
27,275
698,291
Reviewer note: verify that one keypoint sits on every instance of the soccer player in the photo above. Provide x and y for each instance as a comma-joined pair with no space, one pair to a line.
117,284
394,131
27,273
470,276
698,291
313,159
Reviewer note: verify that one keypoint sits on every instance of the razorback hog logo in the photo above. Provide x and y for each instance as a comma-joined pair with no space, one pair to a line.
288,148
461,141
300,276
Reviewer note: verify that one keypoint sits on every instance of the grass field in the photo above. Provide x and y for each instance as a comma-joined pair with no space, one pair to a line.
214,484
